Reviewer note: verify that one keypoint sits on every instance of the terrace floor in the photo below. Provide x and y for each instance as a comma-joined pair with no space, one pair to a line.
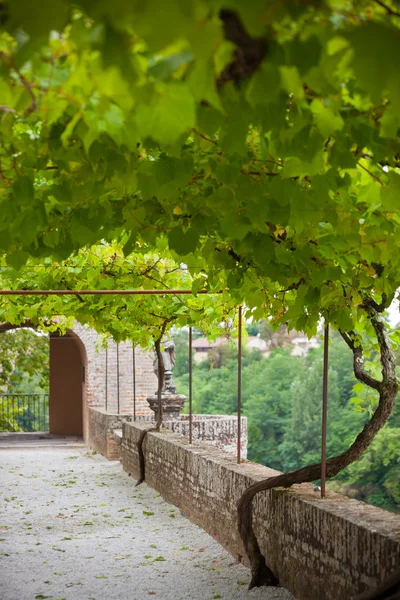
73,526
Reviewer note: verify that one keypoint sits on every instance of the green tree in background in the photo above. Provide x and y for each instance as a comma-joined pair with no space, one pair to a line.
24,362
282,397
302,443
24,369
375,478
267,404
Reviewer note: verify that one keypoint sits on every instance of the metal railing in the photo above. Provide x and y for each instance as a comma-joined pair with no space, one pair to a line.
24,412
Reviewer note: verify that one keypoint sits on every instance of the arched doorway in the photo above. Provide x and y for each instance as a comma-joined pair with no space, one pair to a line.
67,384
66,413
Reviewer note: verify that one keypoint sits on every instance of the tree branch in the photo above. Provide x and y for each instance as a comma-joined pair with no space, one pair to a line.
358,361
28,88
388,361
387,388
369,173
8,109
149,268
161,375
10,326
204,136
249,53
388,9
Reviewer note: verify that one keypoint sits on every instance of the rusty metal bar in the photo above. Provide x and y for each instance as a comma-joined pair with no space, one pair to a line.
118,378
96,292
190,386
324,409
134,381
239,401
106,378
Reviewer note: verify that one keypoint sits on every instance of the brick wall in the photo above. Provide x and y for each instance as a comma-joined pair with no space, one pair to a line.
102,383
321,549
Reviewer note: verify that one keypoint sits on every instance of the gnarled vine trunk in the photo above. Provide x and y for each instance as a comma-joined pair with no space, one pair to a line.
387,389
161,376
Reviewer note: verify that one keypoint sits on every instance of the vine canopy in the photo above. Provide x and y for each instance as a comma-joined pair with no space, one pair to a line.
257,141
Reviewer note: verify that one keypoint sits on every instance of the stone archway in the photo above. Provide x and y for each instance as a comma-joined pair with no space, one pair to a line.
67,394
68,366
84,374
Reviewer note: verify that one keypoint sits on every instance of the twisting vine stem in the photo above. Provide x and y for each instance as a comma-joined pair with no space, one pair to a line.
161,376
387,389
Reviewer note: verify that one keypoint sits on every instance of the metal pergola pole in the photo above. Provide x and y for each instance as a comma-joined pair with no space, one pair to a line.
239,386
118,378
190,386
134,381
324,410
106,378
96,292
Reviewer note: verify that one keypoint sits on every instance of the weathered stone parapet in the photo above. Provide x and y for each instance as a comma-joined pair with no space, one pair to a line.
101,438
321,549
219,430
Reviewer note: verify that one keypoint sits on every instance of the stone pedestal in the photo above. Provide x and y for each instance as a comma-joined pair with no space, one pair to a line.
172,404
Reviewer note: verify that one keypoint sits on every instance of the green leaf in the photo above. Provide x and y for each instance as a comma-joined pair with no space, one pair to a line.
264,86
38,19
291,82
209,119
163,69
169,113
202,84
305,54
183,242
70,128
327,120
358,387
173,21
374,46
23,190
197,285
390,193
234,131
17,259
51,238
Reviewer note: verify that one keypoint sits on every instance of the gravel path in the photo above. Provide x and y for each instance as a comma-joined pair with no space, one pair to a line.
74,527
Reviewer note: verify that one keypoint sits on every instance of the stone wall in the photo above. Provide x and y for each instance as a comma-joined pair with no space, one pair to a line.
217,430
321,549
101,436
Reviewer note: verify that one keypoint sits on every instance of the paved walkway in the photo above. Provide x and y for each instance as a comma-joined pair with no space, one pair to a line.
74,527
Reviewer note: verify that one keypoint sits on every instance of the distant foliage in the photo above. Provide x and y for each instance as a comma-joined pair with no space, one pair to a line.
24,362
282,398
24,369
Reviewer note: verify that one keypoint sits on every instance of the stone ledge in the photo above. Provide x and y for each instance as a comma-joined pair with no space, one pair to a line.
217,430
118,436
321,549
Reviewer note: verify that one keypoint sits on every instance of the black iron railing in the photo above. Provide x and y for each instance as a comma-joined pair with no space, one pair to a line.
24,412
